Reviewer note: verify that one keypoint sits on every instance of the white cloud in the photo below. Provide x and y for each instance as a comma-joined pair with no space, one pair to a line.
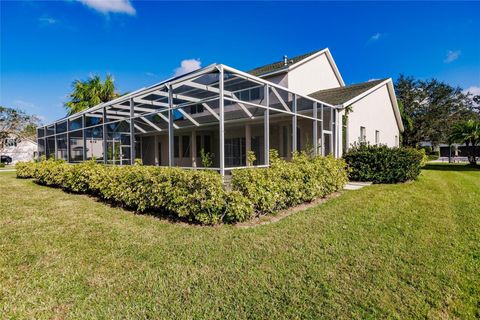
41,118
150,74
23,105
110,6
374,79
47,20
452,56
473,90
375,37
187,66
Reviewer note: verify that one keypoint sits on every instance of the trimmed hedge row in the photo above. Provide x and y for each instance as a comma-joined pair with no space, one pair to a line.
195,195
285,184
381,164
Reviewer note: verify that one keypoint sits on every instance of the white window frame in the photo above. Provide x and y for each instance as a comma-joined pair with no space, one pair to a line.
363,134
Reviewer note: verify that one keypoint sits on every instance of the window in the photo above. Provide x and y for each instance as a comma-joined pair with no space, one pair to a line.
285,141
235,152
327,138
299,139
377,137
199,145
10,142
185,146
176,147
363,134
207,144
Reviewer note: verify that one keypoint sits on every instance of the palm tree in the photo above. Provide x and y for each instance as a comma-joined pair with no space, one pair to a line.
89,93
467,132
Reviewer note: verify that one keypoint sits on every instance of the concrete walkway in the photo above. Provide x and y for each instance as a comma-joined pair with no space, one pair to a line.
355,185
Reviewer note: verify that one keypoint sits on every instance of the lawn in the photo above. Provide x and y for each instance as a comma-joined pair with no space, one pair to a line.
386,251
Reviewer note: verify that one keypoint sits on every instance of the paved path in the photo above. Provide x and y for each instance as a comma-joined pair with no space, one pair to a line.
355,185
8,170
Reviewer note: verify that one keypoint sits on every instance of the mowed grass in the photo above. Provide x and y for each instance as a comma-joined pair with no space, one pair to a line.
387,251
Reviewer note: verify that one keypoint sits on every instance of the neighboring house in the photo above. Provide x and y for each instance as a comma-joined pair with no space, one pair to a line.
291,105
455,150
19,149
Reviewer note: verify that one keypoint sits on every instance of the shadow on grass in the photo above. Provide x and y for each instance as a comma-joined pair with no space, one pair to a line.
450,167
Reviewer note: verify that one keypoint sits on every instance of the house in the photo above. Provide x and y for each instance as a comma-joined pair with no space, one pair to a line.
458,152
19,149
373,114
223,115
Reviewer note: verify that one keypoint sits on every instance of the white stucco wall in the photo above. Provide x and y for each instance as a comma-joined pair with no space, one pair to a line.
313,75
374,112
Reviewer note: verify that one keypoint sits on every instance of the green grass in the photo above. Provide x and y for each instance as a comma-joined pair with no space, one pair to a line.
387,251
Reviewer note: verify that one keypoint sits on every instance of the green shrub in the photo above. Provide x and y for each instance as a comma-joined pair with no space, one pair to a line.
238,208
51,172
286,184
196,195
25,170
381,164
79,178
424,160
2,165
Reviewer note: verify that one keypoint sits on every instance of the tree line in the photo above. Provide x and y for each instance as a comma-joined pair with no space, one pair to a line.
436,112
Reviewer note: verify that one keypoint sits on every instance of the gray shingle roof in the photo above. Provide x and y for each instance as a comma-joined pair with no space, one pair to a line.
337,96
279,65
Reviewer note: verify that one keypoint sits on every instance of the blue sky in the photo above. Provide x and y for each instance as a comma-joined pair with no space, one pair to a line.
46,45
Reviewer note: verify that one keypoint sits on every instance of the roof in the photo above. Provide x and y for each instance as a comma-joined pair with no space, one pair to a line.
279,65
340,95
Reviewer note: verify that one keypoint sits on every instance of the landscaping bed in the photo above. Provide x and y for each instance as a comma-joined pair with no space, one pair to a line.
197,195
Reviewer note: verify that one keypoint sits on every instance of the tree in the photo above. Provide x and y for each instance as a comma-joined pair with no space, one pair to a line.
430,109
467,132
90,92
16,122
410,97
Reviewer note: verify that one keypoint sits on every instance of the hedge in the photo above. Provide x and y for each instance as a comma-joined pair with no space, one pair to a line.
381,164
195,195
285,184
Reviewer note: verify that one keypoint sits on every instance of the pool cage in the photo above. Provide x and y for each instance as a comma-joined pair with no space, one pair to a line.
215,118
